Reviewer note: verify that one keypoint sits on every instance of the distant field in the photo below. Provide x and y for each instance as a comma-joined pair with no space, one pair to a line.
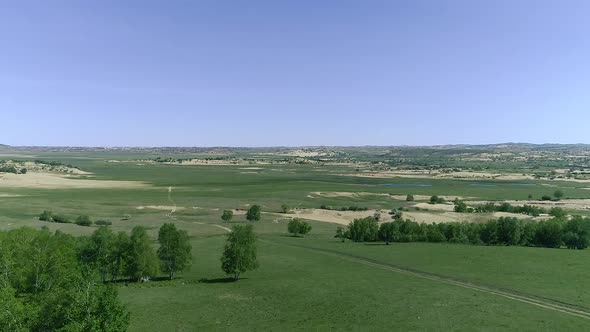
316,282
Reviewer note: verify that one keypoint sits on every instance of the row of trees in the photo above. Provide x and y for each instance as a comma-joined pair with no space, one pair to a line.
81,220
119,255
253,214
553,233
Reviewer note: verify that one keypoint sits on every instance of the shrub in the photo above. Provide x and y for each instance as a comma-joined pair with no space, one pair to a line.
546,198
285,208
364,229
46,216
103,223
297,226
60,218
227,215
558,194
558,212
83,220
410,198
253,213
23,171
436,200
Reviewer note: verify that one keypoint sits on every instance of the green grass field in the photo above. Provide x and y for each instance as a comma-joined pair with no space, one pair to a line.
316,282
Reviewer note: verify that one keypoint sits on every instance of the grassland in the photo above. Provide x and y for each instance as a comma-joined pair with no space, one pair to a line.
316,282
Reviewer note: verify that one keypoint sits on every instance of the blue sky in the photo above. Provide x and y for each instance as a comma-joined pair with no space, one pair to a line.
267,73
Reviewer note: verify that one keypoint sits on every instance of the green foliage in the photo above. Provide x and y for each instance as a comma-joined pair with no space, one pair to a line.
60,218
558,194
83,220
410,198
436,200
508,231
548,234
254,213
23,171
298,226
8,169
576,233
558,212
364,229
103,223
141,261
45,287
46,216
97,251
175,250
239,253
545,198
460,206
388,231
341,233
227,215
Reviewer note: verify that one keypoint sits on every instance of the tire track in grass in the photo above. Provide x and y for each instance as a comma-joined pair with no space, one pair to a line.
549,304
171,213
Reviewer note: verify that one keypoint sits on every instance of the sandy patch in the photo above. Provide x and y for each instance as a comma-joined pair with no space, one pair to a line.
251,168
248,172
60,181
337,217
436,207
9,195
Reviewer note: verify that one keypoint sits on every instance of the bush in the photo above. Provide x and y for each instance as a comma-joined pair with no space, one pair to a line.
254,213
297,226
23,171
83,220
410,198
546,198
285,208
227,215
436,200
557,212
60,218
548,234
103,223
8,169
46,216
558,194
364,229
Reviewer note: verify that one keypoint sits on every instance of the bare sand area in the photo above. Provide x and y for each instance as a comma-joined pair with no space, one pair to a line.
44,180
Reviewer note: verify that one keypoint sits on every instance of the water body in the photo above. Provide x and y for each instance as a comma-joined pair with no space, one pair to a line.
495,185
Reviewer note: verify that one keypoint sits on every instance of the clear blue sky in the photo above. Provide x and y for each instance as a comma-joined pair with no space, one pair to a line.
266,73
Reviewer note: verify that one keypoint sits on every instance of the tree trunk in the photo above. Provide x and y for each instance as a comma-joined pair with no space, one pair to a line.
236,276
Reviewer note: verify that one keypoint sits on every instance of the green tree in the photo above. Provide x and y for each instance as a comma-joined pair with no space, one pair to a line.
253,213
388,231
509,231
140,259
548,234
558,213
13,316
364,229
121,246
341,233
576,233
239,253
297,226
558,194
83,220
175,250
46,216
98,251
227,215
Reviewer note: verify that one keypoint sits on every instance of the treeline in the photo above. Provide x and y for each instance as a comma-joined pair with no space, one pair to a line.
53,163
344,208
553,233
82,220
530,210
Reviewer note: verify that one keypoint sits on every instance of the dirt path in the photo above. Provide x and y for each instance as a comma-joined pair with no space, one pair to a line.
512,295
171,213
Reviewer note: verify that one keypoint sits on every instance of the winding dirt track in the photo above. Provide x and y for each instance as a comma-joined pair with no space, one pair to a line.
549,304
171,213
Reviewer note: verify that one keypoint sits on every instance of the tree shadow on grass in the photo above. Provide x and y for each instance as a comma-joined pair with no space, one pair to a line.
218,280
376,244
